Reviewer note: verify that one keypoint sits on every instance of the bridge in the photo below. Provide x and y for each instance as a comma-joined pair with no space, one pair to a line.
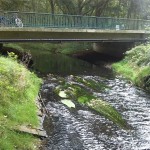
109,35
49,27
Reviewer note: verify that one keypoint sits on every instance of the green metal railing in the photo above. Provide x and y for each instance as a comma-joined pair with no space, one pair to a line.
46,20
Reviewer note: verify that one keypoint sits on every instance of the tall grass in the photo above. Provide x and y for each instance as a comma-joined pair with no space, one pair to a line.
136,66
18,91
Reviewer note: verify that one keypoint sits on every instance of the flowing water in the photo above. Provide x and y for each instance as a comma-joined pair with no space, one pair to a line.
82,128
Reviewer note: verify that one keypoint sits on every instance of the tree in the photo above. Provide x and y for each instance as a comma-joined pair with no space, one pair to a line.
10,5
107,8
52,5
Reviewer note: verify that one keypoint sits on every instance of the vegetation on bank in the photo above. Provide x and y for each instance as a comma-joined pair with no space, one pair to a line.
64,48
18,91
136,66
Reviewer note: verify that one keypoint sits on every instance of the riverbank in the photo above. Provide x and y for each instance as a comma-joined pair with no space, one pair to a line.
19,89
136,66
69,48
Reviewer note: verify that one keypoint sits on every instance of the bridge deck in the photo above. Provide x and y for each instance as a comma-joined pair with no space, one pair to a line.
8,34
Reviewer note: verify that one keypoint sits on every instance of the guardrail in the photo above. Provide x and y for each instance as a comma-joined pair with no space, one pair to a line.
47,20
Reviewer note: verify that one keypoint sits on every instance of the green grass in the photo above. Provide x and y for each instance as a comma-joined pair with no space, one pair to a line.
64,48
143,78
14,46
11,140
136,66
18,91
126,69
74,47
34,47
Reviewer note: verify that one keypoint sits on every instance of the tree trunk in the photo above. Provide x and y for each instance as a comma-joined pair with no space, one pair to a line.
52,6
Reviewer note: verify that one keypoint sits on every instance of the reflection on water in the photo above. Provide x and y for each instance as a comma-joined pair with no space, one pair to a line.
63,65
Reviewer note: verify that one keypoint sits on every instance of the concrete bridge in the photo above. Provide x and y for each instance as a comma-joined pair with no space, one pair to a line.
28,34
27,26
39,27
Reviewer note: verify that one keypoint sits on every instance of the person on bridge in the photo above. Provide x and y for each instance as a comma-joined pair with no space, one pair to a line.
18,21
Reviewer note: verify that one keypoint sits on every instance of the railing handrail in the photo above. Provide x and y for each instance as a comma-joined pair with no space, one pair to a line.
36,19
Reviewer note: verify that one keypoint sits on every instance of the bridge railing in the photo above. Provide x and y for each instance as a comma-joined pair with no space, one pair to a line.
47,20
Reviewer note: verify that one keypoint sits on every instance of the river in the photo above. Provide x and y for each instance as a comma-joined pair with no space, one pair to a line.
82,128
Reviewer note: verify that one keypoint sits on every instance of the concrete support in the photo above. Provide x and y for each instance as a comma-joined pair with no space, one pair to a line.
1,46
116,49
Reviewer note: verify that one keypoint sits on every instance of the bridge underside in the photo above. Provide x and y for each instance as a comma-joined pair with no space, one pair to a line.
52,34
116,49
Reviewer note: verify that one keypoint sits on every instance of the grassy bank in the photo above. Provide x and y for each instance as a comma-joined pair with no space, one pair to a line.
64,48
136,66
18,91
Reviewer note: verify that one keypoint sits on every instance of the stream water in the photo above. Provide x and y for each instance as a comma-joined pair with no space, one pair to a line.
82,128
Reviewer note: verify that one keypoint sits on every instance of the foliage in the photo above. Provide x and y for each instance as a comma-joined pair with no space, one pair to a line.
139,56
109,8
12,5
12,56
136,66
18,91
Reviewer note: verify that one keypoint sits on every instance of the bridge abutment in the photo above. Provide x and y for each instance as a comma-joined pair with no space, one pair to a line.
1,46
116,49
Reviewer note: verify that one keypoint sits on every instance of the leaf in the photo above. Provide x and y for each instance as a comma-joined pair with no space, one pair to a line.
68,103
62,94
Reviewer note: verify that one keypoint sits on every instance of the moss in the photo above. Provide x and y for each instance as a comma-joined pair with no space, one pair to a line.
108,111
91,83
19,89
82,91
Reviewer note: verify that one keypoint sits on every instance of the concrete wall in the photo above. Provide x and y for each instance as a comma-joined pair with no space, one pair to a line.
112,48
1,46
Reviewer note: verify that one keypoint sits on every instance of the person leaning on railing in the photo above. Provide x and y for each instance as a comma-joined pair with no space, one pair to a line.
18,21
